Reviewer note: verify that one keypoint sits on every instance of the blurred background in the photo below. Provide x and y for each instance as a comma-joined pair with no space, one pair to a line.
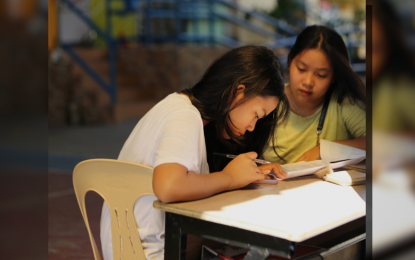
393,136
24,127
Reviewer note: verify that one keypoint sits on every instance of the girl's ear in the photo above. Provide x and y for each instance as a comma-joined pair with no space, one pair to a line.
240,89
239,94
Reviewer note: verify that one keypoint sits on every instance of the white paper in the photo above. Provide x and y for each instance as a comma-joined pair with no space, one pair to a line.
346,163
333,152
303,168
307,168
346,176
338,154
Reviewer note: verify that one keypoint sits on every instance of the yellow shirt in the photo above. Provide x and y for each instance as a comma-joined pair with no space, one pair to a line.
343,122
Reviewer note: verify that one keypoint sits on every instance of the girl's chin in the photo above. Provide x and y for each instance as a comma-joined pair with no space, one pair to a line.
241,137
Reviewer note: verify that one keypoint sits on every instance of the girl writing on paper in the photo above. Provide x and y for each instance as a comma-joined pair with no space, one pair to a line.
241,92
320,70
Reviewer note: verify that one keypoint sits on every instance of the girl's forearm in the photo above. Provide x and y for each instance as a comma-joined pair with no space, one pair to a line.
357,143
172,184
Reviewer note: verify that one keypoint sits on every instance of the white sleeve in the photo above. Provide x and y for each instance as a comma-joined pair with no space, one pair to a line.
179,141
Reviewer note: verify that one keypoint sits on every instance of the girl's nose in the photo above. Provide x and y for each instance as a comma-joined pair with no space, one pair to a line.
251,126
308,80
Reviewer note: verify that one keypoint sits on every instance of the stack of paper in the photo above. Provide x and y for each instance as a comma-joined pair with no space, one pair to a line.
331,153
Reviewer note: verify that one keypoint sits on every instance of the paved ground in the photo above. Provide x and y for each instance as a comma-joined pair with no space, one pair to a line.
68,237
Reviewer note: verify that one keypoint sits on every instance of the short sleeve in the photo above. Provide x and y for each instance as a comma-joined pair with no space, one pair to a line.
179,140
354,117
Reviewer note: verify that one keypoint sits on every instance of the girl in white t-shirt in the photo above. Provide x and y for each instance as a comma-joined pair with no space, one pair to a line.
242,93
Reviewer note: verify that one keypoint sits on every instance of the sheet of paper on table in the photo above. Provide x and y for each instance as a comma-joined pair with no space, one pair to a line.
334,152
331,153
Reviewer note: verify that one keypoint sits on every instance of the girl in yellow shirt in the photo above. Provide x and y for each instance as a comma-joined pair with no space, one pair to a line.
320,71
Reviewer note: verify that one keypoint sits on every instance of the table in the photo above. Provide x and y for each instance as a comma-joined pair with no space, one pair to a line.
270,219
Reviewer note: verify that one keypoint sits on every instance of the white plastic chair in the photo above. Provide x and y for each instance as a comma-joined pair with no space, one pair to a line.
120,184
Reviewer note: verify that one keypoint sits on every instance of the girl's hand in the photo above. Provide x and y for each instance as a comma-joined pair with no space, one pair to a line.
276,167
311,155
243,170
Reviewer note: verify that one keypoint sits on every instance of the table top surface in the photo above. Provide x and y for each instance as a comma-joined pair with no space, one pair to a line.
295,209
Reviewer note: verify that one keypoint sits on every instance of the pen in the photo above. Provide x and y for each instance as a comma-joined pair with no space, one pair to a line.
233,156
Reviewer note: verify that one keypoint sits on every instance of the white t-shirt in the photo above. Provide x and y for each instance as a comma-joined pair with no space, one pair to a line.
171,132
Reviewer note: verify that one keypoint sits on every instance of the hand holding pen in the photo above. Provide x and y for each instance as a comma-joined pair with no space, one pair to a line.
234,156
242,170
266,167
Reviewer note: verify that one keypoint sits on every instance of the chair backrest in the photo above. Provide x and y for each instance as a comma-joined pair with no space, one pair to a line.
120,184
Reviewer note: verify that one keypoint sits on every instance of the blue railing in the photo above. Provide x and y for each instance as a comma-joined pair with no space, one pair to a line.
278,24
110,87
195,11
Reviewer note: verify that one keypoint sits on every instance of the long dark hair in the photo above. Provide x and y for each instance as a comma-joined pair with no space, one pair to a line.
260,70
346,82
